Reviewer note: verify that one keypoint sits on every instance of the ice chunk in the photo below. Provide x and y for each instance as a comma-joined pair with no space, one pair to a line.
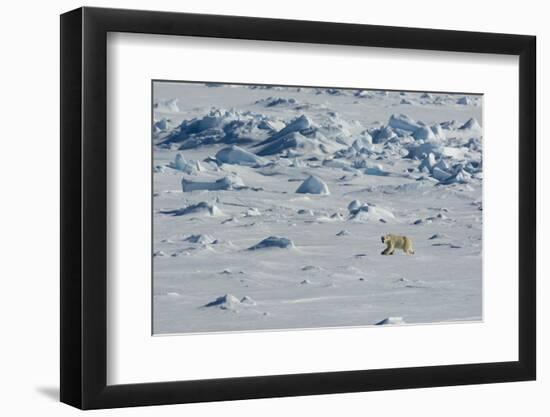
443,165
337,163
161,125
252,212
471,124
428,162
277,101
438,131
391,321
218,126
424,133
363,94
291,141
300,123
337,216
440,174
383,134
354,206
297,163
248,301
238,156
225,302
457,153
311,268
309,142
180,162
364,141
225,183
303,136
460,177
403,122
273,242
313,185
189,167
204,239
200,208
375,169
422,150
173,294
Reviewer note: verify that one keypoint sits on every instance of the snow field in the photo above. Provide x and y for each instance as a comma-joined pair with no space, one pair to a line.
268,211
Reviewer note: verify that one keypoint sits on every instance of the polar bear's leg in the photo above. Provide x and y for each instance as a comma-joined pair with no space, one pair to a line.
407,246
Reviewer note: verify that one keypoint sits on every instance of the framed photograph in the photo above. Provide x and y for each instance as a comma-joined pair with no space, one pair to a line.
259,208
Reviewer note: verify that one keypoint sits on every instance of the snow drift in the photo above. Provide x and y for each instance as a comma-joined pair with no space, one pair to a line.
238,156
403,122
225,183
273,242
200,208
371,212
472,125
301,135
203,239
313,185
220,126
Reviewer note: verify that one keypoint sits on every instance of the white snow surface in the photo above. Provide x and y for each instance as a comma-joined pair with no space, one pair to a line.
237,247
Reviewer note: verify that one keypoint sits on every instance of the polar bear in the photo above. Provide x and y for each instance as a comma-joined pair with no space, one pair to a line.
400,242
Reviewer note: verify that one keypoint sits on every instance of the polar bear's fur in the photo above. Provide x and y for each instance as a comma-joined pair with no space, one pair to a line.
397,242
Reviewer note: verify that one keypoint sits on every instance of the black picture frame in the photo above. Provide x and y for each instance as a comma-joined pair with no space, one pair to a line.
84,207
